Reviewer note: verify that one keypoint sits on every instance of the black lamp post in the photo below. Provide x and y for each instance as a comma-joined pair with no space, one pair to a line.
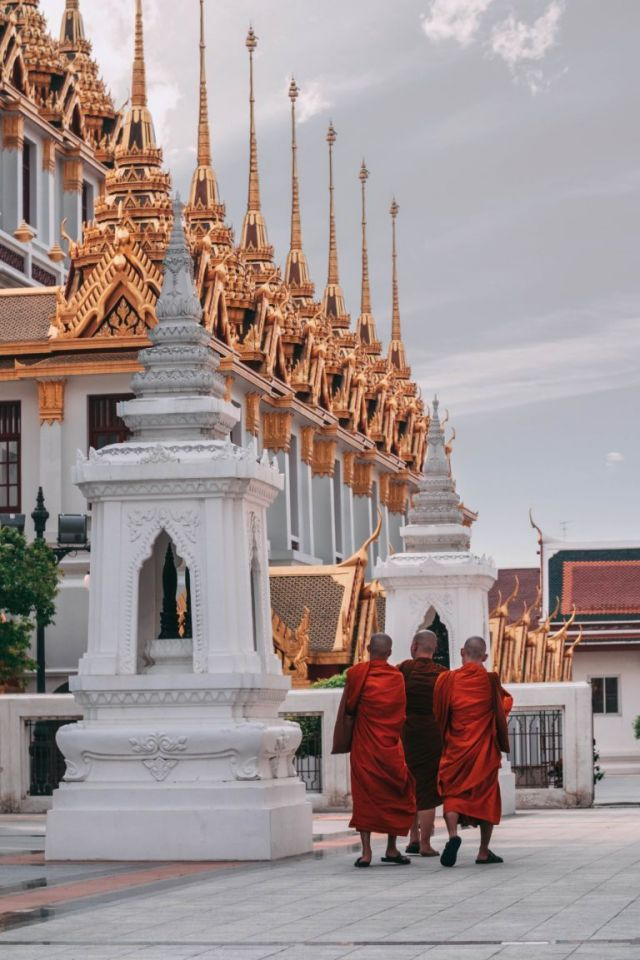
40,516
72,536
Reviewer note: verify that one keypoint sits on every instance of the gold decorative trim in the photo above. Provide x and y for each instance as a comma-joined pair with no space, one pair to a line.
323,463
276,431
363,478
348,463
51,400
49,156
252,413
228,387
398,496
306,446
13,131
72,175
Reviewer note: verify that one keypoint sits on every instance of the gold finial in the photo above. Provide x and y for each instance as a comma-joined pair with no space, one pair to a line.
204,137
333,277
296,226
139,82
396,334
365,300
253,203
72,29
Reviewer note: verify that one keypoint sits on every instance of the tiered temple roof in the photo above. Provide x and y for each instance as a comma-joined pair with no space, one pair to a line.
261,321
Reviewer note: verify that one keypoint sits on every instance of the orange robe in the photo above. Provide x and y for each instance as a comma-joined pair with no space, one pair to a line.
381,786
468,711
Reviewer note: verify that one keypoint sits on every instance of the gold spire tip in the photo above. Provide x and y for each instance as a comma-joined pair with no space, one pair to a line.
252,40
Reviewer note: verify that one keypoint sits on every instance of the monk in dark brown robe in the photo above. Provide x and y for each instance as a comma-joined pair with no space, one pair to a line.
381,785
421,738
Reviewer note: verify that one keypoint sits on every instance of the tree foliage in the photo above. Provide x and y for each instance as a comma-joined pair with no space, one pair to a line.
28,586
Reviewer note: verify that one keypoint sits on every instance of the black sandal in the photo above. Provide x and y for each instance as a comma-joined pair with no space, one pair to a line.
400,860
492,858
362,863
450,852
413,847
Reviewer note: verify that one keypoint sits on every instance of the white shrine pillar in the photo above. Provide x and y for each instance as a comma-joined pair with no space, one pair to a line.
182,754
436,573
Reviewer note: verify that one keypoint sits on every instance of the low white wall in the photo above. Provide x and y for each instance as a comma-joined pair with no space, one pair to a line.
574,699
336,781
15,710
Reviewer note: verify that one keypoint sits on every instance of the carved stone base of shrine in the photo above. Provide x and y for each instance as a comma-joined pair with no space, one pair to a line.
179,768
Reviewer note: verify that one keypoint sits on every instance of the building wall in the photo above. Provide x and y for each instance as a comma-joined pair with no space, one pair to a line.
613,732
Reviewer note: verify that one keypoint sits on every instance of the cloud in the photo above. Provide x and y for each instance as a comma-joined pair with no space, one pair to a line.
542,370
313,99
613,458
519,43
458,20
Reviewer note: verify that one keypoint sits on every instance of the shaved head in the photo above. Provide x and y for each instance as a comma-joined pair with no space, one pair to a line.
475,649
425,643
380,646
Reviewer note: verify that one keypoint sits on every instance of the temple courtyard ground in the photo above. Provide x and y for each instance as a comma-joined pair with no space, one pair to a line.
570,887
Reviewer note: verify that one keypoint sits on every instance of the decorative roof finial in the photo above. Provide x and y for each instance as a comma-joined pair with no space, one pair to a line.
254,230
333,300
204,203
204,137
139,80
397,357
297,268
366,321
72,29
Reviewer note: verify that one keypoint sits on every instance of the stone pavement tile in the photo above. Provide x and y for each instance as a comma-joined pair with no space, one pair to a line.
606,951
447,951
298,952
381,952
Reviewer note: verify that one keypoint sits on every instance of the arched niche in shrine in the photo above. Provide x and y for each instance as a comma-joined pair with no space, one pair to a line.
431,621
165,643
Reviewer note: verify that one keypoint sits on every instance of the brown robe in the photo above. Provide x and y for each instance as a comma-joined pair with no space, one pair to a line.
421,735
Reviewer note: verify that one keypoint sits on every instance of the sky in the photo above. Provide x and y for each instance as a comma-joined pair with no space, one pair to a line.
508,132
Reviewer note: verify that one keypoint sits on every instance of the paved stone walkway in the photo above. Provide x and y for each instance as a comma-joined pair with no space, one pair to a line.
570,887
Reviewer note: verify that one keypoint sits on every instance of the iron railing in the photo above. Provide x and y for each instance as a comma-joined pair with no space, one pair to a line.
46,762
536,748
308,758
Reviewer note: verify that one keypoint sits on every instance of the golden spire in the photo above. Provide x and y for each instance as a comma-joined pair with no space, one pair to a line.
204,204
333,300
138,136
396,356
204,137
254,230
72,29
366,322
297,268
139,79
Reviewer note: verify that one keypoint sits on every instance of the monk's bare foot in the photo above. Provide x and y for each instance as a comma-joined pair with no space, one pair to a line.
429,852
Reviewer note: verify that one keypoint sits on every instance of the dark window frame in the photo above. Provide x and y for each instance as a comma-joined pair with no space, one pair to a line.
11,432
28,151
605,696
104,425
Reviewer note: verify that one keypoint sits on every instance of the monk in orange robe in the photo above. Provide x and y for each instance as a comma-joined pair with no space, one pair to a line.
471,708
381,786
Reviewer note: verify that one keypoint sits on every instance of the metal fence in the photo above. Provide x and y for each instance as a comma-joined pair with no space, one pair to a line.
536,748
308,759
46,763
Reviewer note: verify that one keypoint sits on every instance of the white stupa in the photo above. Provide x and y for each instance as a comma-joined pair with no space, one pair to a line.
182,754
436,574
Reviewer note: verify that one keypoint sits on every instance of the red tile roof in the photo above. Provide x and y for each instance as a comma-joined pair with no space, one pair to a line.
601,586
529,578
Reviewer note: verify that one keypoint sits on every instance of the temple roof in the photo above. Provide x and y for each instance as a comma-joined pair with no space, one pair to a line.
25,314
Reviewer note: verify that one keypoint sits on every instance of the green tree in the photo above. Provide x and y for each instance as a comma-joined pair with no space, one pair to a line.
28,586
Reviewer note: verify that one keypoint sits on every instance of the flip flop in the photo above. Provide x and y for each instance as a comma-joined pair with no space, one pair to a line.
400,860
450,852
433,853
492,858
362,863
412,848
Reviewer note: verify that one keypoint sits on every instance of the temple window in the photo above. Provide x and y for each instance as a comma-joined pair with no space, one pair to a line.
10,457
87,202
294,498
28,168
105,426
337,510
605,695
